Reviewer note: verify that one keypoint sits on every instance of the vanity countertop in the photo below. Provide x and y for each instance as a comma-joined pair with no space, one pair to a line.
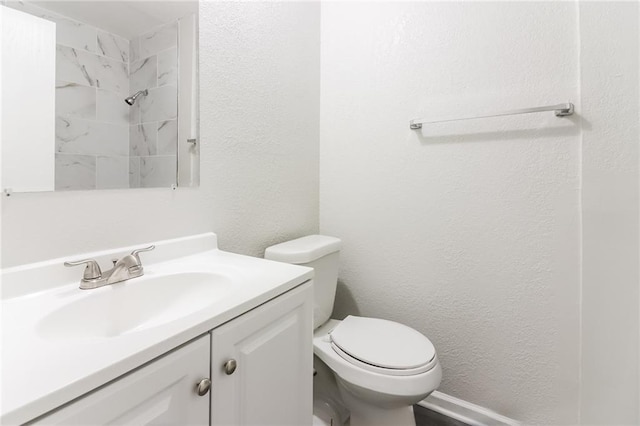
41,371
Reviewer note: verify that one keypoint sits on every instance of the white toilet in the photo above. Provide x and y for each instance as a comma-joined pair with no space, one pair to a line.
381,367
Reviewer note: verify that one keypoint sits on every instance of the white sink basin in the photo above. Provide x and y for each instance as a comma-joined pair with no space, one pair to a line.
135,305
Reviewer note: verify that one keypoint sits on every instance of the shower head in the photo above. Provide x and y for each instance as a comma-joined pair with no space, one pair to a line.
132,99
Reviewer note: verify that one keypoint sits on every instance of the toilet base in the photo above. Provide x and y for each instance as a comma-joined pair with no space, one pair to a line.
369,412
399,417
368,415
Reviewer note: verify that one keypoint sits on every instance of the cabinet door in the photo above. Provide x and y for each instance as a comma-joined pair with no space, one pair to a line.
273,350
160,393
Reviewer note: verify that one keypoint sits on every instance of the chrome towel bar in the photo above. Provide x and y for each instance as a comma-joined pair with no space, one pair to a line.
560,110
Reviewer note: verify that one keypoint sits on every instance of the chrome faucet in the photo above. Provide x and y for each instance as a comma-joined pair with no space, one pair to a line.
124,269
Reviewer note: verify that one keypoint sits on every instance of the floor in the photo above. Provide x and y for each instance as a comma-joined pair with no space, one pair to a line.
426,417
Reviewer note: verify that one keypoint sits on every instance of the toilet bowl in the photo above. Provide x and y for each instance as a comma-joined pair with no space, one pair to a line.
381,367
377,395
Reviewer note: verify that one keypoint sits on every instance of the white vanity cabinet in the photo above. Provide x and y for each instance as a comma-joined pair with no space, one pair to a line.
271,383
262,364
162,392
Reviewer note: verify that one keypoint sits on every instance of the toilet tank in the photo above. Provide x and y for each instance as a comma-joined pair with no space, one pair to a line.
321,253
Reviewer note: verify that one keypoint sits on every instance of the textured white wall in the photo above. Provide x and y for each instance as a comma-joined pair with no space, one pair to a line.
262,103
469,233
610,109
259,133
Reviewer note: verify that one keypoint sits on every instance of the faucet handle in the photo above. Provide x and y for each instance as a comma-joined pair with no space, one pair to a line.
136,251
92,270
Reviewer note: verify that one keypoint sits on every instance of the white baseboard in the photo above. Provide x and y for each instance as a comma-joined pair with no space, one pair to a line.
464,411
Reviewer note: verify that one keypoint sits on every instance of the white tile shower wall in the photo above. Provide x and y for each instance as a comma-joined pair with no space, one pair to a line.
158,171
92,73
111,108
168,67
88,137
143,140
160,105
143,74
167,137
75,171
92,118
90,69
112,172
75,100
113,46
153,119
158,40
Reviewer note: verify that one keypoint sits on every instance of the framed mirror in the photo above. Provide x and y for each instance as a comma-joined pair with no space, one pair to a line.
99,95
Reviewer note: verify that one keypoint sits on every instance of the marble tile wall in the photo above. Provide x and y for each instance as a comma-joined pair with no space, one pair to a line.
92,119
101,142
153,134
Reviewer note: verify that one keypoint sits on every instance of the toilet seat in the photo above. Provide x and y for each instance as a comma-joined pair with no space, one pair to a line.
346,371
382,346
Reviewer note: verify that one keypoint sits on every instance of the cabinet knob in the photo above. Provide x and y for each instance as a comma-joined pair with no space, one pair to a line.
203,387
230,366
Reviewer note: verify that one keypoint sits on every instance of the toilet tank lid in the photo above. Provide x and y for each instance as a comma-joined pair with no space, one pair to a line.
303,250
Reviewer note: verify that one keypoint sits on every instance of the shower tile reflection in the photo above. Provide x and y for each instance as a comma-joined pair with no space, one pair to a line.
75,172
112,172
100,141
113,46
143,140
74,100
77,136
168,137
160,105
134,172
112,108
157,171
143,74
160,39
168,67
